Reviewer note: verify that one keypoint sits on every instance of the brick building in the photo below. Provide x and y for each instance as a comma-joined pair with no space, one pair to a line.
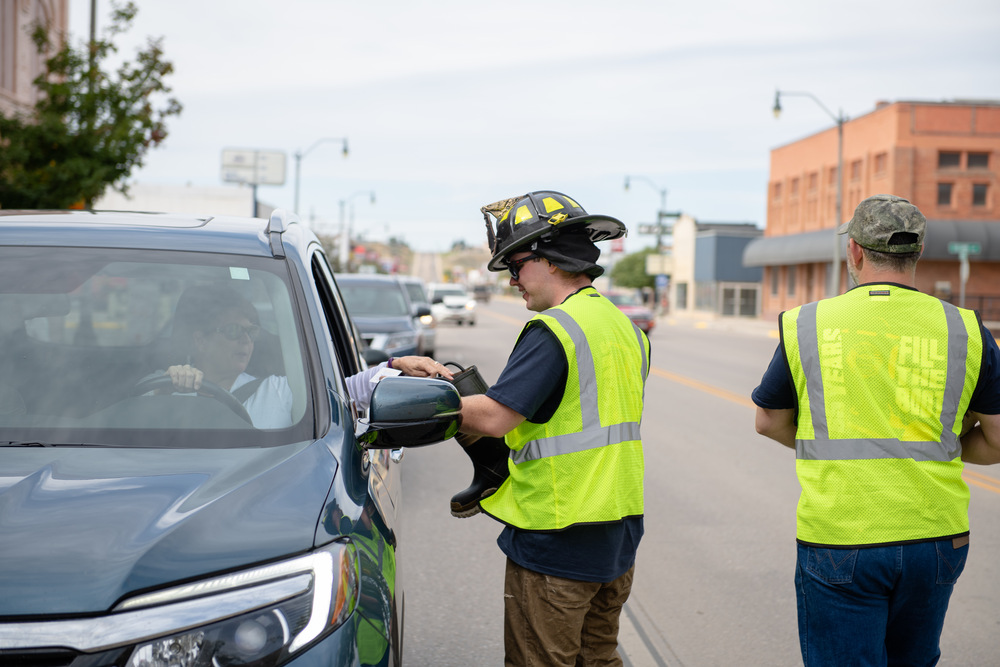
942,156
20,62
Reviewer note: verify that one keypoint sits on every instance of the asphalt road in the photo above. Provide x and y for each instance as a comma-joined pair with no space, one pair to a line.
714,572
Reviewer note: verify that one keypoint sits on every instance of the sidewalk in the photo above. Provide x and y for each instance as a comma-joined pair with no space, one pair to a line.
746,325
752,325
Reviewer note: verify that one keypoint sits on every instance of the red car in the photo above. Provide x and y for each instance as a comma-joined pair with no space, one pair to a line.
630,304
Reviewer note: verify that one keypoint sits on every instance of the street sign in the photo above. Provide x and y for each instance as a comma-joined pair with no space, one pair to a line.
959,248
253,167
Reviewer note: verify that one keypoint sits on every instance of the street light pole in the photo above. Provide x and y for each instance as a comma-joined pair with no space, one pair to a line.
301,154
661,215
345,241
840,119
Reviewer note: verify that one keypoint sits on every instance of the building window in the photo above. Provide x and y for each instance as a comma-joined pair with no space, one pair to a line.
944,194
856,170
979,160
774,281
777,192
881,164
813,181
979,191
948,159
795,187
832,176
790,271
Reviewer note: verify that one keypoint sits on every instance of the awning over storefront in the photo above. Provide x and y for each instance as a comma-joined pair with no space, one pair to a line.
807,248
817,247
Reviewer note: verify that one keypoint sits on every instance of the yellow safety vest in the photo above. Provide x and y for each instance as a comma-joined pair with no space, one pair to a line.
884,376
585,464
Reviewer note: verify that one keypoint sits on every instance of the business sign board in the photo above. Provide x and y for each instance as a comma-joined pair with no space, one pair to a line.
253,167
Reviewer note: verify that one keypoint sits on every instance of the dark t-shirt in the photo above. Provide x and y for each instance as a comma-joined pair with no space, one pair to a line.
532,385
777,392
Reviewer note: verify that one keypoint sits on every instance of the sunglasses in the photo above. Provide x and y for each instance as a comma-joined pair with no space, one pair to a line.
234,331
514,265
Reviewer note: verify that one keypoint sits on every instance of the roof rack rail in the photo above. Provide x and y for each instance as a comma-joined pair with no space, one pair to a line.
278,222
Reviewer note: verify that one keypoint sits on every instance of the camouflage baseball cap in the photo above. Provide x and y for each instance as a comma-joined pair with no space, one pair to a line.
886,223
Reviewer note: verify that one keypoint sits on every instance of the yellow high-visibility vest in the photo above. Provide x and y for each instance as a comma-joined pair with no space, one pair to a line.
585,464
883,376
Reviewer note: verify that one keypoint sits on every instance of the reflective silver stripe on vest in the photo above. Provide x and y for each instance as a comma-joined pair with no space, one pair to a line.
642,353
593,434
823,448
576,442
809,354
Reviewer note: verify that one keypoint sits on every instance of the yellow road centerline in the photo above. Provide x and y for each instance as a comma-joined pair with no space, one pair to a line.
707,388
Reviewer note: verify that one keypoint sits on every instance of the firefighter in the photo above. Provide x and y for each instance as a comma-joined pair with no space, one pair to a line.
568,405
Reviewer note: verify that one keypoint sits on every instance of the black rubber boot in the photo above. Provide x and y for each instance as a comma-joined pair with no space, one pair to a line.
489,470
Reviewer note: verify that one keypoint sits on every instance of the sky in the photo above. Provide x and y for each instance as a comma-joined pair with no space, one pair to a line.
451,105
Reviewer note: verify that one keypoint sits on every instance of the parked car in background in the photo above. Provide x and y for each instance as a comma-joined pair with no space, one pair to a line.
382,311
451,302
144,527
482,292
416,288
631,304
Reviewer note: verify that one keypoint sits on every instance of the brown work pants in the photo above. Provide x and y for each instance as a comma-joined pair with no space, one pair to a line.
561,622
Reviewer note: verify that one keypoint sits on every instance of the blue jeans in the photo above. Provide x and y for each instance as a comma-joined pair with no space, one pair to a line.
878,605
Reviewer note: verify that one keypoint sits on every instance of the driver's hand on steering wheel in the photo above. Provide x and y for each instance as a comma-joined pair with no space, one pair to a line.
186,378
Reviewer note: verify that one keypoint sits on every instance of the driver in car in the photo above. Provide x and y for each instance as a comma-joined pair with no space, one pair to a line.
214,331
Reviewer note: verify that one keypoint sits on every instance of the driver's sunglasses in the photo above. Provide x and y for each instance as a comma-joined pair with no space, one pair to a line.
514,265
235,331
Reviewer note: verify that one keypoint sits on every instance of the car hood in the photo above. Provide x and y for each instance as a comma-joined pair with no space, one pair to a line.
83,527
452,300
384,324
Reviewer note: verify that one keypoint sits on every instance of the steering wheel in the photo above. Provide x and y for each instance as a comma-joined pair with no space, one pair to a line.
209,389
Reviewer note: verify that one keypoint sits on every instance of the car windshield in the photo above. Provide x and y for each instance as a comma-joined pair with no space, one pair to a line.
368,299
624,299
87,334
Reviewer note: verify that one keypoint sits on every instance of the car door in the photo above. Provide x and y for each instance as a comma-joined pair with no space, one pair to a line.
382,466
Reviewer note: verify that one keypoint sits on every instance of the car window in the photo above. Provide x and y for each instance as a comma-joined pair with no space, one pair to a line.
87,334
371,298
416,292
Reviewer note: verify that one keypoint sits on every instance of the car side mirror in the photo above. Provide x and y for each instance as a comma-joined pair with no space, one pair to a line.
421,310
437,299
410,412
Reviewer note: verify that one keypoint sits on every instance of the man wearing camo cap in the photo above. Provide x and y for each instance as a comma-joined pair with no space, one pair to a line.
879,392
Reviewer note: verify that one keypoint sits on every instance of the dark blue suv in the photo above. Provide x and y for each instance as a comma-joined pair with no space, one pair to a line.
249,519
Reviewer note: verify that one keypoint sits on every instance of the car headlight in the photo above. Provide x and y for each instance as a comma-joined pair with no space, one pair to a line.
292,604
427,320
400,340
470,305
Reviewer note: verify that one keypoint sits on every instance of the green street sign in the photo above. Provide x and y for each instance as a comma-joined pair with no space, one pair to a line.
958,248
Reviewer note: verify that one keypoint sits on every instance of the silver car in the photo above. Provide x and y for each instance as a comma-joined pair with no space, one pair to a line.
416,288
451,302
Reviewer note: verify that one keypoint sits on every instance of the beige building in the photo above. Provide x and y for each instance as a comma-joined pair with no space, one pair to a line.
20,62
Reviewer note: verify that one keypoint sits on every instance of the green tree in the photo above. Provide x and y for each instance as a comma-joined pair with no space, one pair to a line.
90,128
630,270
